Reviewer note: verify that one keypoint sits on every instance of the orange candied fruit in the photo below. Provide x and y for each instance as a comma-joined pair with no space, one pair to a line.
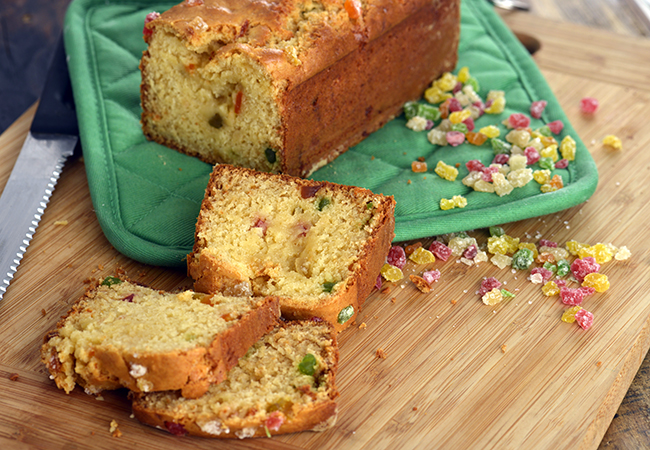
353,8
475,138
411,248
418,166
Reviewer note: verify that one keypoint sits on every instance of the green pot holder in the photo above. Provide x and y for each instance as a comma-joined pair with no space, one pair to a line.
147,197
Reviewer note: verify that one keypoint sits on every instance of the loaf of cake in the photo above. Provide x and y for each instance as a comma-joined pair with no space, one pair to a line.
288,85
120,334
284,384
318,246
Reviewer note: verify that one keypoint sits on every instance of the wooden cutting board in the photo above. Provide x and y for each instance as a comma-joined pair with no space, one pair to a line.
456,373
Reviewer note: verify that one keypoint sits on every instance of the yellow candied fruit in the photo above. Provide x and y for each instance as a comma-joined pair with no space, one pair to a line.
463,74
597,281
446,204
518,137
422,256
530,246
446,82
550,151
568,148
391,273
490,131
612,141
501,261
550,289
547,187
459,201
569,315
497,106
459,116
512,242
435,95
600,252
574,247
542,176
492,95
446,171
493,297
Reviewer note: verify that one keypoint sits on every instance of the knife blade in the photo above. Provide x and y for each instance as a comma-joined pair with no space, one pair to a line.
52,138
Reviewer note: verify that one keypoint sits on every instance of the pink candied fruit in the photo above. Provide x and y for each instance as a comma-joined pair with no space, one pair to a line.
532,155
587,290
588,105
469,123
458,87
544,272
547,243
175,428
580,268
556,126
440,250
431,276
487,285
572,297
487,173
396,257
560,283
480,106
470,252
454,105
562,164
518,120
455,138
585,319
274,421
474,165
378,282
149,18
537,108
501,158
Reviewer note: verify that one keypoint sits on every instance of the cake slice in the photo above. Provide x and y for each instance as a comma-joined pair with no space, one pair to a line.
284,384
287,86
120,334
318,246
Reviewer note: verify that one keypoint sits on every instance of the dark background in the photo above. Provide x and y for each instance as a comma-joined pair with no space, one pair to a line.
29,30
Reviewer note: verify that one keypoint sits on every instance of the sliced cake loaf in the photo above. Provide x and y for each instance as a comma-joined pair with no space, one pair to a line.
284,384
318,246
121,334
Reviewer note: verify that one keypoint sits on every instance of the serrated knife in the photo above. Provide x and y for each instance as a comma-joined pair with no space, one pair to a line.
52,138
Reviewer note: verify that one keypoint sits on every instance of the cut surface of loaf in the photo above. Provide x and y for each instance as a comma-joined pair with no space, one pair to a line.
288,85
285,383
318,246
121,334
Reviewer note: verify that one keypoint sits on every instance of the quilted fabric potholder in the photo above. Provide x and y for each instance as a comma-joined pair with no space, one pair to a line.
147,197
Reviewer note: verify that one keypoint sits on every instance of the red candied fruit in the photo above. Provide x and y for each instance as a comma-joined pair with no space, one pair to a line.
175,428
518,120
572,297
458,87
544,272
562,164
480,106
378,282
556,126
547,243
501,158
488,284
532,155
474,165
537,108
396,257
585,319
580,268
588,105
454,105
560,283
440,250
275,421
149,18
487,173
587,290
469,123
470,252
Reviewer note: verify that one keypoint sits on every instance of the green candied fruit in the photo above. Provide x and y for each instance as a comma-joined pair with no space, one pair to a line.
546,163
270,155
550,266
522,259
563,267
462,234
500,146
345,314
429,112
459,127
506,293
322,203
411,109
111,281
328,286
308,364
370,205
545,131
474,83
497,231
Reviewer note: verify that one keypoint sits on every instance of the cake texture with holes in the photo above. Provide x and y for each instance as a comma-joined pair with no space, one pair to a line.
288,85
318,246
285,383
120,334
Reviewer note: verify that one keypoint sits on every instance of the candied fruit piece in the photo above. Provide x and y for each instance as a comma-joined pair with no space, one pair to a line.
518,162
549,152
498,245
588,105
487,285
518,120
556,126
463,74
601,252
437,137
550,289
476,138
418,166
587,290
532,155
496,231
470,252
520,177
545,257
455,138
469,124
422,256
547,141
501,185
522,259
570,296
492,297
458,244
612,141
458,116
483,186
543,271
391,273
530,246
512,242
580,268
496,105
562,164
411,109
474,165
459,201
537,108
598,281
569,315
575,246
568,148
490,131
501,261
446,171
584,318
440,250
431,276
396,257
520,138
411,248
146,32
546,163
435,95
550,266
501,158
446,82
622,254
417,123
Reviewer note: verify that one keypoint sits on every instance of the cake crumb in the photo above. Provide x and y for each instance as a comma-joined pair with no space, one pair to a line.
415,408
453,302
394,299
420,283
385,290
504,348
599,363
14,377
408,182
362,326
60,222
381,353
43,312
114,430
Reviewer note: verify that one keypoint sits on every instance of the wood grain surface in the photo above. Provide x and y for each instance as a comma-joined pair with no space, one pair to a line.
456,373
